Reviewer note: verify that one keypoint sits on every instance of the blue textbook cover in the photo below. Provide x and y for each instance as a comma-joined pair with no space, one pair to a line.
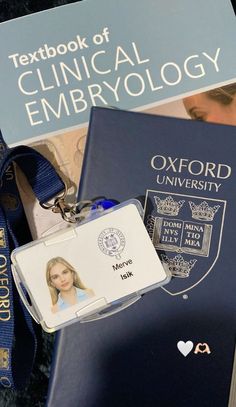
175,346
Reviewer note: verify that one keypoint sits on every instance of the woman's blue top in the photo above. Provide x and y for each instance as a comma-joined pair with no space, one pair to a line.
80,295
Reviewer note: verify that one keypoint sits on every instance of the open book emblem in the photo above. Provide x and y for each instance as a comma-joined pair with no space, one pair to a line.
186,231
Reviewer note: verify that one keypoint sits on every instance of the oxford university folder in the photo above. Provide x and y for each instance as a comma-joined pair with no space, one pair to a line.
184,174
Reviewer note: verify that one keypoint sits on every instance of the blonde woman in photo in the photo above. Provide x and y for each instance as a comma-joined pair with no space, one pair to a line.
216,105
65,285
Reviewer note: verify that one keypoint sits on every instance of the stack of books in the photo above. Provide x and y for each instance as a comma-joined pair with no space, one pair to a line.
173,61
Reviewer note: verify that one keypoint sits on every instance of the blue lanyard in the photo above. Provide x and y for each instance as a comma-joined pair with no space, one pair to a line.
18,342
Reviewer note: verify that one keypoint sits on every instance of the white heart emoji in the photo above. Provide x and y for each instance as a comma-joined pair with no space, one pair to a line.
185,347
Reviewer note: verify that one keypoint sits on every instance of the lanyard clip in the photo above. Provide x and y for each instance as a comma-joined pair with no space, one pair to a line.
70,212
79,211
67,211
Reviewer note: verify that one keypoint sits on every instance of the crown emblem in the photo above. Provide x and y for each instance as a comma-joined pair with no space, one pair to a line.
178,266
203,211
168,206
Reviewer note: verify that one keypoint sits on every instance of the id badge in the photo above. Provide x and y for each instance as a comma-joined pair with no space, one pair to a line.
88,271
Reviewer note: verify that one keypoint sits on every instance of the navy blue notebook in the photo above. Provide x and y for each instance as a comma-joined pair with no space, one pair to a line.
175,346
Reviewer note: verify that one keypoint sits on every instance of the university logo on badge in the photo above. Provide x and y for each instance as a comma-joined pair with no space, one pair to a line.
4,358
186,231
2,238
111,241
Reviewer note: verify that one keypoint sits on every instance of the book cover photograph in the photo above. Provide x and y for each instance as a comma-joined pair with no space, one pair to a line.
183,172
51,77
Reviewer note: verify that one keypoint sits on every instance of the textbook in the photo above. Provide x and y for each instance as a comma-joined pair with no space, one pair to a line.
58,63
175,346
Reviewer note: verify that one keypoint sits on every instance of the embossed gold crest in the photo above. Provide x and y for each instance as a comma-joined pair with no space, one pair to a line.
2,238
4,358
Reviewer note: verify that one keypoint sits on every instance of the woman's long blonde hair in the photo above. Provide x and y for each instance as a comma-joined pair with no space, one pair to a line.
76,279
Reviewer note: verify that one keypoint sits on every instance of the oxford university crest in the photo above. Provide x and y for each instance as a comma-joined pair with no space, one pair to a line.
186,231
111,241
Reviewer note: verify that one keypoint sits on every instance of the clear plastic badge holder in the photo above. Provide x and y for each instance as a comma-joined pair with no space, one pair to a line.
90,270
